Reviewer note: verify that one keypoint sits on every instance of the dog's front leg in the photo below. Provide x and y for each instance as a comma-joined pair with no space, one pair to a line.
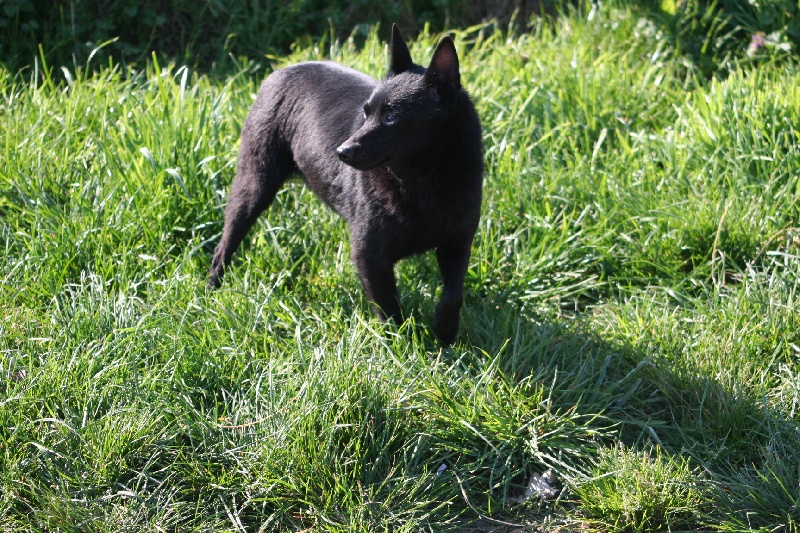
377,276
453,261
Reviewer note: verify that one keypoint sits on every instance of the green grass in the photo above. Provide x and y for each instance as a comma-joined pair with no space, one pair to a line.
631,316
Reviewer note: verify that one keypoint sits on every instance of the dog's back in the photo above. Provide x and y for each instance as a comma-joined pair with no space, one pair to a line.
303,112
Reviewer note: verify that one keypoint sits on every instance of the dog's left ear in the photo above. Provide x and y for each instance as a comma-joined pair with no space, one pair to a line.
401,57
442,73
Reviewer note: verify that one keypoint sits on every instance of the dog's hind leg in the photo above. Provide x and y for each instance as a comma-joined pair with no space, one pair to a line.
263,168
453,262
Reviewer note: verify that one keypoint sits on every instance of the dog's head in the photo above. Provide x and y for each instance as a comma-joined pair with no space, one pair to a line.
403,112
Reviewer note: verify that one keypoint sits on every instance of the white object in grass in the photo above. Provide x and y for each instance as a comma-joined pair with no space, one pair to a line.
541,486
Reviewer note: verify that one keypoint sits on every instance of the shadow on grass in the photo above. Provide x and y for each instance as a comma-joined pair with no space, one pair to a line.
742,448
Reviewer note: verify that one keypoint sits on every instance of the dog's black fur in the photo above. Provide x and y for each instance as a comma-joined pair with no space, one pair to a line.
401,160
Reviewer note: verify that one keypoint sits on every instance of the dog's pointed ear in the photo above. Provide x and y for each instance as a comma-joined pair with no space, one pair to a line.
401,57
442,73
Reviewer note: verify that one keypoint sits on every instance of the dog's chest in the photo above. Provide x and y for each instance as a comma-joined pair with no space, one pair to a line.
384,194
403,219
409,205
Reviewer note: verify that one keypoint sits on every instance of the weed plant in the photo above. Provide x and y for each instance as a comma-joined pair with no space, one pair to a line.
631,315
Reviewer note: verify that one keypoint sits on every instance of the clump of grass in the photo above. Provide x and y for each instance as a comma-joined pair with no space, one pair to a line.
644,490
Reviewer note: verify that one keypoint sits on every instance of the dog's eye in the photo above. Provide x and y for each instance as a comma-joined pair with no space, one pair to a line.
366,110
389,118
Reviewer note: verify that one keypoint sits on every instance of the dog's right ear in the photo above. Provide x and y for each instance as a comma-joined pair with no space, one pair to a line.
401,57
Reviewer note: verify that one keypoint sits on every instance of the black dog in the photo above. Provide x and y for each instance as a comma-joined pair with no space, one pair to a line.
401,160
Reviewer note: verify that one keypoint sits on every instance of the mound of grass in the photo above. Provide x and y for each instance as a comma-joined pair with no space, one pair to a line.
641,491
631,315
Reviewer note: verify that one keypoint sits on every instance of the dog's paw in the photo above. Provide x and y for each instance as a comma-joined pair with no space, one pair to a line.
445,325
214,280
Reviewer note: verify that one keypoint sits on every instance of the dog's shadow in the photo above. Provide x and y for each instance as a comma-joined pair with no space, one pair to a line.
740,445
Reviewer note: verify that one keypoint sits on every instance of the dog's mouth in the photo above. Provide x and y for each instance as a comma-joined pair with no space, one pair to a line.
350,155
363,165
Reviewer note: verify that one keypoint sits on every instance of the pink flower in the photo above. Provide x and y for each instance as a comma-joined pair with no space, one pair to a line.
757,41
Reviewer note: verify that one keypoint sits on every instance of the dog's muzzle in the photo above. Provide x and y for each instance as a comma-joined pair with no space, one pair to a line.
345,153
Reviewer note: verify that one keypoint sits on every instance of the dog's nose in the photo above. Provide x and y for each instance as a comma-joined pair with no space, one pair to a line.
344,152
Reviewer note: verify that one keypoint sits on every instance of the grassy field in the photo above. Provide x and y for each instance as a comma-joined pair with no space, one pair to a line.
631,316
